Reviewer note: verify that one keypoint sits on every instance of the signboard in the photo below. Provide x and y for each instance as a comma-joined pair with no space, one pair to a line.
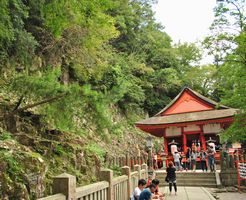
241,172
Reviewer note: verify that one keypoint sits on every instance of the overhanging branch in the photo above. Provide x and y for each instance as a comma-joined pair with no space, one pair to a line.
49,100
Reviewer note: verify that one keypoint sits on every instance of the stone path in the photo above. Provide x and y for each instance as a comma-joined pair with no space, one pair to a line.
230,196
188,193
227,195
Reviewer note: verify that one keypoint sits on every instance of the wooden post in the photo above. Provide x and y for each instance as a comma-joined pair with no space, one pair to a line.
126,171
107,175
128,161
165,145
227,161
120,162
123,161
138,169
184,140
65,184
145,167
202,139
232,165
222,164
139,160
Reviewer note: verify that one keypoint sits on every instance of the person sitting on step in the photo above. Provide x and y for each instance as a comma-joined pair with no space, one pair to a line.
157,192
138,190
145,195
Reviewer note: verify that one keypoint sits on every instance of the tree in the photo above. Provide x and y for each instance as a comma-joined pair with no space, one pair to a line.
228,45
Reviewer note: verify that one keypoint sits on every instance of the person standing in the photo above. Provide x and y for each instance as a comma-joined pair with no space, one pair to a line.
171,177
188,159
203,156
210,153
176,158
193,160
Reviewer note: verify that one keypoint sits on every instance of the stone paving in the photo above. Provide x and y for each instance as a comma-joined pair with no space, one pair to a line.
227,195
188,193
231,196
200,193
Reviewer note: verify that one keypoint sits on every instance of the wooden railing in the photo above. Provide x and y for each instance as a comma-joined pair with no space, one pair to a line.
93,192
126,160
228,163
109,188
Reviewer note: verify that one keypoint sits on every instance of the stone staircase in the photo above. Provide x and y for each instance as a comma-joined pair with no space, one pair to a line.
199,179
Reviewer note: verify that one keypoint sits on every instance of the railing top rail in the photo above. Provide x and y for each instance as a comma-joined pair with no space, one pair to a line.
134,173
119,179
54,197
89,189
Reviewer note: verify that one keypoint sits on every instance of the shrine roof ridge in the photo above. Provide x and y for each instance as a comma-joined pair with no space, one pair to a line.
189,117
207,100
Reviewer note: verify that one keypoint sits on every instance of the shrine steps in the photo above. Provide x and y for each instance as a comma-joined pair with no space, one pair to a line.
199,179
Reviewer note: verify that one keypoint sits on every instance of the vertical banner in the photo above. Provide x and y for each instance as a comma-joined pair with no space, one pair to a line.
241,172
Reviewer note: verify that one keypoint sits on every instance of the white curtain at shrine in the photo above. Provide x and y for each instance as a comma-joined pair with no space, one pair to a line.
173,131
212,128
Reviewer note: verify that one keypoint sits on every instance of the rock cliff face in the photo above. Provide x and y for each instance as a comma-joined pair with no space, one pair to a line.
31,153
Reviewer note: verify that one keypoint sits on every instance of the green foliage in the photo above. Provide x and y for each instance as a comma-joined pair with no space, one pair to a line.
93,148
15,42
228,48
237,131
116,169
14,167
59,150
4,135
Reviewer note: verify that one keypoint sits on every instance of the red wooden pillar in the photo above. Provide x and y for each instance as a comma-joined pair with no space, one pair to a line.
165,142
165,145
184,140
202,138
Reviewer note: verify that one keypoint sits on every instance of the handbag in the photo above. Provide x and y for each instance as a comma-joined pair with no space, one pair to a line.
166,179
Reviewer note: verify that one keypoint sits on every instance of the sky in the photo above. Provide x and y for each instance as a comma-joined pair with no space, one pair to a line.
186,20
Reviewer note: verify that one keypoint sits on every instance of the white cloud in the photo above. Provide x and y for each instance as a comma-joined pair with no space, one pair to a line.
185,20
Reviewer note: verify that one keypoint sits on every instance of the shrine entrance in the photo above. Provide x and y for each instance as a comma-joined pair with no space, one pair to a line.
189,118
193,138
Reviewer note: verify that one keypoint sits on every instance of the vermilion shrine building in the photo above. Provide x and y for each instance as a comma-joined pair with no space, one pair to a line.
188,117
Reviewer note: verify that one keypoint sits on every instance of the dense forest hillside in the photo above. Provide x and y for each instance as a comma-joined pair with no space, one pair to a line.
76,75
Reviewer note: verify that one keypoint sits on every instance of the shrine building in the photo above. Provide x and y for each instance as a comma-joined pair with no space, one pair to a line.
189,117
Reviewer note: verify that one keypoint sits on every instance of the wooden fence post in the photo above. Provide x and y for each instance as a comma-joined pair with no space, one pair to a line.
128,162
138,169
126,171
65,184
107,175
145,167
138,160
232,165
